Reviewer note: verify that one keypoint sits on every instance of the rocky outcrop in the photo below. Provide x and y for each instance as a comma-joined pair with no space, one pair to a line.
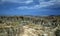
38,31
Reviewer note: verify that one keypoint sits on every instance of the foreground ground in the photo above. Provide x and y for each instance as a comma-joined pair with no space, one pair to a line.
29,26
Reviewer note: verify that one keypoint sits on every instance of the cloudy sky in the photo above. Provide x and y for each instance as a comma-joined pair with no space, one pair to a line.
29,7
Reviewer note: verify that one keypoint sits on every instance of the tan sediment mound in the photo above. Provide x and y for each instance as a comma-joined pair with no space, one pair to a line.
37,30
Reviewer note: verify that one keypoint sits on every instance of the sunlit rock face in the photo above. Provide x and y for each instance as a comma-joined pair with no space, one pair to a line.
35,31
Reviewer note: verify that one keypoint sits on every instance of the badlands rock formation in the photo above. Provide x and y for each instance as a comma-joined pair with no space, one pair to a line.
38,30
29,26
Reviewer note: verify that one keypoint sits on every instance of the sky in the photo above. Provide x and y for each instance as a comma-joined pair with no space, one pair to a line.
29,7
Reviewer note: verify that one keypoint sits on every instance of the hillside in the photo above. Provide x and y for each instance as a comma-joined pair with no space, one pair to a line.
29,26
